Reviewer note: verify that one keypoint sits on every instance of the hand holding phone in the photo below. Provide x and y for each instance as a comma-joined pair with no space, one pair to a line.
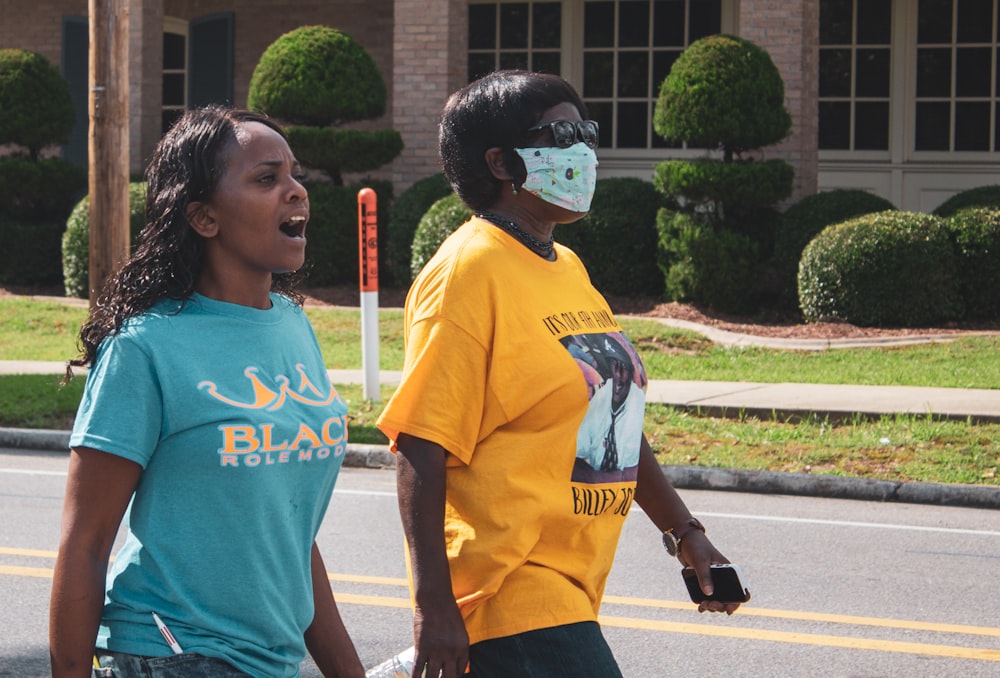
727,580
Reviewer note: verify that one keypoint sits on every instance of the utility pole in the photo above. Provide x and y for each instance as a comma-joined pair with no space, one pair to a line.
108,140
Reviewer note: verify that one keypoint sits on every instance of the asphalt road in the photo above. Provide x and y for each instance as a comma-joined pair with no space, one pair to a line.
840,588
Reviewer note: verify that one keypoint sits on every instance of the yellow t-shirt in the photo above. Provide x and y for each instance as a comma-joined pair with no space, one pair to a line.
503,351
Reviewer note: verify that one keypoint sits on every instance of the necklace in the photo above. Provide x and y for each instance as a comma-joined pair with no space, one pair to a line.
542,248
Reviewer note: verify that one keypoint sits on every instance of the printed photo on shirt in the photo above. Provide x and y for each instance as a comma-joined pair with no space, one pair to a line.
607,443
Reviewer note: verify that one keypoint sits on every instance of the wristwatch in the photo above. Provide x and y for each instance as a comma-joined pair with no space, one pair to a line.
672,537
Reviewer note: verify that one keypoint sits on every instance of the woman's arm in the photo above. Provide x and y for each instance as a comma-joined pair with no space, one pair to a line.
439,634
98,489
327,638
666,509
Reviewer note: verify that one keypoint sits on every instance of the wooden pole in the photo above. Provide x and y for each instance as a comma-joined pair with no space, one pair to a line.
108,140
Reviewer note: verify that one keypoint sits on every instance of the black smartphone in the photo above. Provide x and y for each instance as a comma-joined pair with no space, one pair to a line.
730,586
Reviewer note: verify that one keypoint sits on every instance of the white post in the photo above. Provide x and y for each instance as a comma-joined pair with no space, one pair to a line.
368,274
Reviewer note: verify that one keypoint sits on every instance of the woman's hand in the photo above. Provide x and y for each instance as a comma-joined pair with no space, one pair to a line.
440,639
698,553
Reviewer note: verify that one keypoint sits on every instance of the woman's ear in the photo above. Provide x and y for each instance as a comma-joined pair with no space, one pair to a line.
497,164
199,216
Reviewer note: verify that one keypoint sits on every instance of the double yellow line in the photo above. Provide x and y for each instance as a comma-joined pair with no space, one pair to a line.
727,631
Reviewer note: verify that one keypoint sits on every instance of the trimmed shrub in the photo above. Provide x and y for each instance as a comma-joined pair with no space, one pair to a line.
975,232
717,268
746,184
35,106
804,220
29,252
319,76
884,269
406,213
441,220
315,77
76,239
617,239
723,92
42,190
332,233
982,196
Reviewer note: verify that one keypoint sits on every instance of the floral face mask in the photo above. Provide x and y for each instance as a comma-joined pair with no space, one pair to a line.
565,177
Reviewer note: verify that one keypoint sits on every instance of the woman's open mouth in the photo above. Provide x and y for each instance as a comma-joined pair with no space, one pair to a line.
295,227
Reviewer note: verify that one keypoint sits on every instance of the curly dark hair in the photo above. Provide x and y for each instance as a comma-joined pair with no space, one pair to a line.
186,167
495,111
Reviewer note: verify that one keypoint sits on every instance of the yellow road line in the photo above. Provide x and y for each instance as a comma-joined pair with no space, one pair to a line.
365,579
951,651
751,611
31,553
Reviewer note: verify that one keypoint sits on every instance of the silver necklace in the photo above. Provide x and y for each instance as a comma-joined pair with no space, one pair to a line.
540,247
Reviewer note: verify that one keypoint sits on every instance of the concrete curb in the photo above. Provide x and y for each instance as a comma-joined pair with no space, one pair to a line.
682,477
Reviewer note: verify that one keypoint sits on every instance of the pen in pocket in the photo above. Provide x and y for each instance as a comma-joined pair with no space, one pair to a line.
167,635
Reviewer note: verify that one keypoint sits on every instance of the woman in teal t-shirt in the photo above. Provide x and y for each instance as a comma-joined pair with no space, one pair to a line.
208,416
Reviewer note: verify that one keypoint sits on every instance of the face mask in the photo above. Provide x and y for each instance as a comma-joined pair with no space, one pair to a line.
565,177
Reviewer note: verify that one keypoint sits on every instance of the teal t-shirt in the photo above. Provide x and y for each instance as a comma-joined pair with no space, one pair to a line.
231,414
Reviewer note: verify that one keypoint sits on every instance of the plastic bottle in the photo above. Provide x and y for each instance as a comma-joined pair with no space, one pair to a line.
400,666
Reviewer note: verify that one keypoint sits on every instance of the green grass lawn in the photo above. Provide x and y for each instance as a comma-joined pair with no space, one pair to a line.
904,447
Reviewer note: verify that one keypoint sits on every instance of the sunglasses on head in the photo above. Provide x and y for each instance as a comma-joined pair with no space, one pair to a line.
566,133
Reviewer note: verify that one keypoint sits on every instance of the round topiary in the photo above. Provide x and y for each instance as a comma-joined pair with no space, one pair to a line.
35,107
720,269
76,239
747,184
317,75
412,204
723,92
441,220
804,220
982,196
884,269
617,239
976,234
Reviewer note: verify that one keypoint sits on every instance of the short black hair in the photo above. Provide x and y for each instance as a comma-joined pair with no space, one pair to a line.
495,111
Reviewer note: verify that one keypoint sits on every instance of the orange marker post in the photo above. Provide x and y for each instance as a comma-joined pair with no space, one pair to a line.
368,275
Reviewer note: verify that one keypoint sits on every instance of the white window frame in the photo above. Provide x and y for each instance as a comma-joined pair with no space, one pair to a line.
177,27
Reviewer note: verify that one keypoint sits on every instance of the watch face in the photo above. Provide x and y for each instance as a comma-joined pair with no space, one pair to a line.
670,543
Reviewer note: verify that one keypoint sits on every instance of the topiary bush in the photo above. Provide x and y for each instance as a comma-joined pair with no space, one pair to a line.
982,196
617,239
723,92
35,106
406,213
316,77
76,239
801,222
43,190
718,268
29,252
975,231
884,269
441,220
332,233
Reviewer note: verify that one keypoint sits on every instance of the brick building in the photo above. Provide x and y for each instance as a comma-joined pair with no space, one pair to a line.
899,97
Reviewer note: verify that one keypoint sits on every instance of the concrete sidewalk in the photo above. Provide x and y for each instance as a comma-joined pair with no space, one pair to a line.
782,401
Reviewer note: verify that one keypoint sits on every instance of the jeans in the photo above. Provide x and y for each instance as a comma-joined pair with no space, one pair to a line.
173,666
568,651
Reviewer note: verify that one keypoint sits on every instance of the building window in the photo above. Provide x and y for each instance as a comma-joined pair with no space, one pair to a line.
505,35
956,76
616,52
854,74
175,71
628,49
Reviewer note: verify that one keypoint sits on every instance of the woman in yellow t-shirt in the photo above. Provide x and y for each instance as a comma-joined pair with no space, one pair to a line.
518,420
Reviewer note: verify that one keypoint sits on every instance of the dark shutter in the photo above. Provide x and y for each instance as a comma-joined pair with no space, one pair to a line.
75,55
210,63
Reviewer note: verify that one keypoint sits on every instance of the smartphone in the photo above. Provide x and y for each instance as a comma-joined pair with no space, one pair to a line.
730,586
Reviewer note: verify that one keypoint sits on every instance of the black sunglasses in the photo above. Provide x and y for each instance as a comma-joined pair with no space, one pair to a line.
566,132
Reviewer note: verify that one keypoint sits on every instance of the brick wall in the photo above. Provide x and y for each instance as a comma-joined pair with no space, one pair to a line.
789,31
430,40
